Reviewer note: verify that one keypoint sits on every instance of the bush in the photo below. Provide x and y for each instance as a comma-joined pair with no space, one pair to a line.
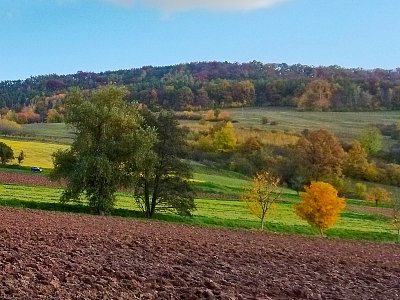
360,190
273,123
264,120
9,127
377,194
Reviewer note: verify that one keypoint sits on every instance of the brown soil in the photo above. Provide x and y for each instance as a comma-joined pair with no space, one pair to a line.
64,256
14,177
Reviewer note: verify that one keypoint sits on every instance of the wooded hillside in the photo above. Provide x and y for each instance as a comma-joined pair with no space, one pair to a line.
203,85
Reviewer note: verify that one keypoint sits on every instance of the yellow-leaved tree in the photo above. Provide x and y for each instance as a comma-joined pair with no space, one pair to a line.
320,205
262,193
224,137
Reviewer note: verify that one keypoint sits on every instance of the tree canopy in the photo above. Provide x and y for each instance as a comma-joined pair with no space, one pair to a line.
6,153
163,182
320,205
108,136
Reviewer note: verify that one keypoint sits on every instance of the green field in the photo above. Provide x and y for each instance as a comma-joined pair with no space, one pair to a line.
52,132
215,212
346,125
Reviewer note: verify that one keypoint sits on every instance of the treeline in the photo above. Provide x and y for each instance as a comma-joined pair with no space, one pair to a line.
205,85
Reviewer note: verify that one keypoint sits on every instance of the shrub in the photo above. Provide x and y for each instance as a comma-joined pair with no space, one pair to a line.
9,127
377,194
264,120
360,190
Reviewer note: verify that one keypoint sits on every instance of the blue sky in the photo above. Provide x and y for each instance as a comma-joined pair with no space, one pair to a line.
66,36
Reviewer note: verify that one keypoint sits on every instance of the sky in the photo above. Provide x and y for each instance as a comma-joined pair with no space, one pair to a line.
39,37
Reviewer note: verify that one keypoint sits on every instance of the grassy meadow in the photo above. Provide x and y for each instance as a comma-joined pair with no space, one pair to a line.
230,212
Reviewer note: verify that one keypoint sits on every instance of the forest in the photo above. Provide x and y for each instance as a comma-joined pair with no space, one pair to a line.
210,85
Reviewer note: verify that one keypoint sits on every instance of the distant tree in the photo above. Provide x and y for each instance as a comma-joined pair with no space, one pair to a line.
356,164
360,189
318,154
243,92
377,194
316,95
162,183
6,153
371,140
8,127
320,205
53,116
224,136
21,157
108,139
261,194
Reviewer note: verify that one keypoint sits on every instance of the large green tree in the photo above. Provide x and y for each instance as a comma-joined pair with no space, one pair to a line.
109,137
163,182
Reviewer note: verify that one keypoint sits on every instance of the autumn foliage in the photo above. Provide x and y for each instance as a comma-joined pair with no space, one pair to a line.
377,194
261,195
320,205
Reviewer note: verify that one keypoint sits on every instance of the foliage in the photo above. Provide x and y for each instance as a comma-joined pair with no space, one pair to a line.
8,127
108,138
371,140
318,154
205,85
224,137
377,194
21,157
356,164
6,153
53,116
316,95
163,182
261,195
221,137
360,189
320,205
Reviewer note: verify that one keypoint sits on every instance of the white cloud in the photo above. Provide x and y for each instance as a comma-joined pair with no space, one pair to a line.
179,5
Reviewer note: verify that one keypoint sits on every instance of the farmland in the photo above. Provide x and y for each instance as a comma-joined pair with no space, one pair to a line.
56,255
60,251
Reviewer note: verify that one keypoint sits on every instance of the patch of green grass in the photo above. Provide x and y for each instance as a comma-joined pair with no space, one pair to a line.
212,212
51,132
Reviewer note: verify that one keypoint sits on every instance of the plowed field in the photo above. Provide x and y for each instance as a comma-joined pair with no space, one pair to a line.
64,256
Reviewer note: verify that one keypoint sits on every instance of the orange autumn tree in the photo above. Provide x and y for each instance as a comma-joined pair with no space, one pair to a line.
262,193
320,205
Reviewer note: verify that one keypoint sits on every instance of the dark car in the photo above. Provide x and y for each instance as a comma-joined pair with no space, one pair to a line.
35,169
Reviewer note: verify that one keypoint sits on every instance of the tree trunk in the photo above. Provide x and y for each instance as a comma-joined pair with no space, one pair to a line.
321,232
146,199
262,222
